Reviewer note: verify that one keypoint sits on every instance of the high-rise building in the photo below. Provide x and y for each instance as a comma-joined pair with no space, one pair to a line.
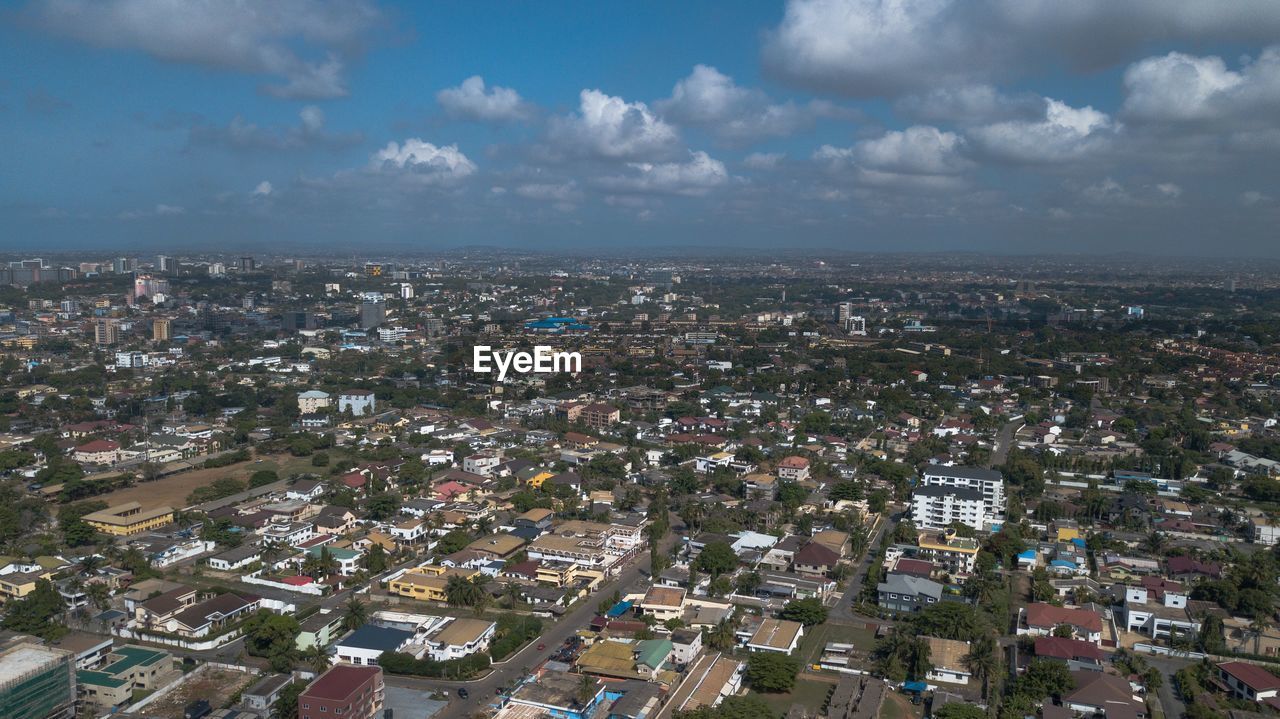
406,291
984,485
217,269
855,325
149,286
844,311
247,264
298,321
160,329
373,310
122,265
106,332
36,681
165,265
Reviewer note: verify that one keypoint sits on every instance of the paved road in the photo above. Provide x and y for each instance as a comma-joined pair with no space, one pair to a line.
843,610
1004,442
1173,706
482,691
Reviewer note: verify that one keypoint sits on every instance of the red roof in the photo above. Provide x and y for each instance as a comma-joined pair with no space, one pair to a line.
354,480
341,681
1063,648
99,445
1049,616
914,567
794,463
1252,675
297,581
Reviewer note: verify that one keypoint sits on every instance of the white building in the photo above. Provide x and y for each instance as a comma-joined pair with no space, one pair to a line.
313,401
988,482
459,638
1159,613
935,507
1265,531
360,401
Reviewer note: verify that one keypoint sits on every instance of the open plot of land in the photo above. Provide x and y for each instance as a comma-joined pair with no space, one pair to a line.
817,637
808,693
216,686
173,490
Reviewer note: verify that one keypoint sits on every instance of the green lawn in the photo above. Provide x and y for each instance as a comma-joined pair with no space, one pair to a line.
808,693
817,637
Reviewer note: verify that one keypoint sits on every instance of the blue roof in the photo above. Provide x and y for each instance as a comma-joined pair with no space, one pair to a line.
377,638
1062,563
914,686
1079,542
618,610
1029,554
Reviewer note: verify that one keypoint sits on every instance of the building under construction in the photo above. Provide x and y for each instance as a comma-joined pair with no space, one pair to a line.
36,681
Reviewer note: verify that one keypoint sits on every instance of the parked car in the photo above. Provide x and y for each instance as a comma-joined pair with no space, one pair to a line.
463,693
541,646
197,709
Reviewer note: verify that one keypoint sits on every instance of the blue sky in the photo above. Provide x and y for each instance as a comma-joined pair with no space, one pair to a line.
986,125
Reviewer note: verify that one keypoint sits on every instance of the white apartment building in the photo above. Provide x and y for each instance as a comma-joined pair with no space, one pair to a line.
988,482
939,507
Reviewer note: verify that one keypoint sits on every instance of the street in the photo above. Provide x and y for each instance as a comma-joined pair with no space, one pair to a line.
516,667
1004,442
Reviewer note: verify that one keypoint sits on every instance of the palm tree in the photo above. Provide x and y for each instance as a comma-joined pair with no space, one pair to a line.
983,662
99,594
1257,628
90,563
723,636
513,593
1154,542
356,613
316,658
586,689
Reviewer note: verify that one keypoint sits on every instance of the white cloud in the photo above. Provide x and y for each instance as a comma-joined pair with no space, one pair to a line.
473,100
241,134
263,189
425,161
893,47
612,128
1181,88
1110,192
303,43
918,150
763,160
699,175
969,105
1251,198
563,192
160,210
1063,133
709,98
920,157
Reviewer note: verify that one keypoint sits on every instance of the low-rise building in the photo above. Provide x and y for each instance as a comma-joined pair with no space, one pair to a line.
350,692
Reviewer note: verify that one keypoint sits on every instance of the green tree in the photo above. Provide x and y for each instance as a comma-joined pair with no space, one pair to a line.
38,613
772,672
806,611
716,558
273,636
355,613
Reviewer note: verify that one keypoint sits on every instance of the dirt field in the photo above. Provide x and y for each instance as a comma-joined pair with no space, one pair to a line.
172,491
217,686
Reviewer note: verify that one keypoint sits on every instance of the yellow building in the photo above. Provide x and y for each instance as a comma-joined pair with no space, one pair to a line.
124,520
563,574
536,480
427,582
17,585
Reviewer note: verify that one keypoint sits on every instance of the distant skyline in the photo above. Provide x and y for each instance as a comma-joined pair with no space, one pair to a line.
994,126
